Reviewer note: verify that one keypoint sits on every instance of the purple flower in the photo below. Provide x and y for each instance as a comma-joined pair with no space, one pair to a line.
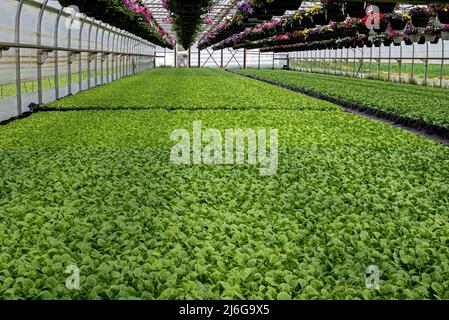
245,7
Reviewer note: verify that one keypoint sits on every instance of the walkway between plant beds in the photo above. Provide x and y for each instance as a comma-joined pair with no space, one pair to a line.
418,127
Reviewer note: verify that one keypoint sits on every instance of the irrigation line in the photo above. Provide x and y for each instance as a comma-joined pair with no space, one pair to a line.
34,108
416,126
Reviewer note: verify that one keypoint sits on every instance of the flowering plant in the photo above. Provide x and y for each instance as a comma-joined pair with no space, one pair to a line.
137,7
314,10
351,23
420,12
444,28
206,18
159,36
245,8
411,31
299,15
394,33
438,7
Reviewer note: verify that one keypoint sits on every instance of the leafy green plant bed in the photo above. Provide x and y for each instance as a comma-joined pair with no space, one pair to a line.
428,104
97,190
191,88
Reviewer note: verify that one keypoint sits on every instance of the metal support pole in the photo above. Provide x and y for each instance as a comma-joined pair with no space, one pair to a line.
17,51
69,58
117,56
175,53
89,55
107,57
114,37
258,61
40,53
102,57
378,62
118,66
370,62
341,62
442,63
400,63
190,60
347,61
122,56
130,56
319,59
244,58
96,63
80,67
324,67
355,63
221,59
362,62
413,63
125,54
199,58
309,59
56,44
426,66
389,63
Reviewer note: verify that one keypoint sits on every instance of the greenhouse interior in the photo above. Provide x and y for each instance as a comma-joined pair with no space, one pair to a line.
202,150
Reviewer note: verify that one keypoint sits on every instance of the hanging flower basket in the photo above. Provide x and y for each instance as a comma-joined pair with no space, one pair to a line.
429,37
443,16
355,9
435,40
362,29
361,41
339,43
317,14
330,44
397,40
415,38
413,34
351,26
398,22
289,4
320,19
306,23
368,42
420,17
327,33
334,10
384,7
442,11
377,40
